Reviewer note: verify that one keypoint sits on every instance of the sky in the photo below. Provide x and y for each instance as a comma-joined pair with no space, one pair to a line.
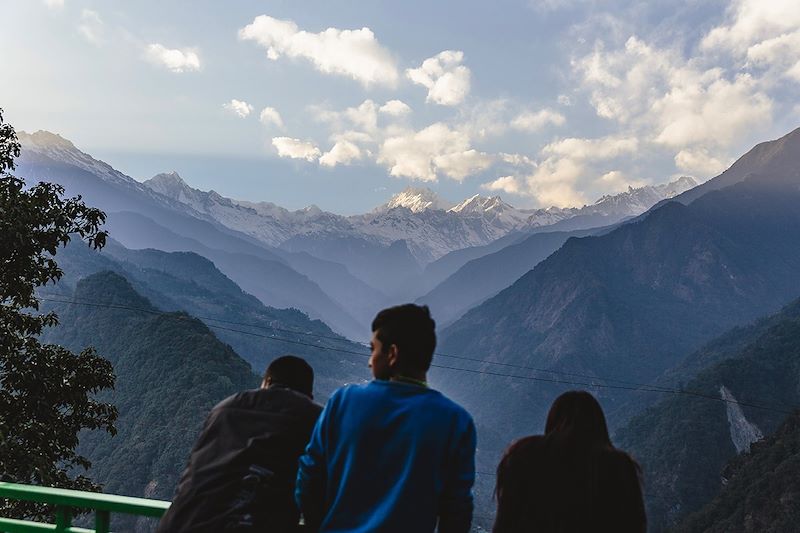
342,104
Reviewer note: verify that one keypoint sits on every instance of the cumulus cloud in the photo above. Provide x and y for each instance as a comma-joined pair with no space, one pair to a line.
343,152
699,162
295,148
592,149
395,108
447,80
535,121
750,22
615,181
671,101
506,184
435,150
173,59
355,54
270,117
91,26
363,117
54,4
239,108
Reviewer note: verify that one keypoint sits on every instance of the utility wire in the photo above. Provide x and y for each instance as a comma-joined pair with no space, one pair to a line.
638,386
440,354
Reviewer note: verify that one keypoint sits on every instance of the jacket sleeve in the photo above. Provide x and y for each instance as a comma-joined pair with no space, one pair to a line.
312,473
455,508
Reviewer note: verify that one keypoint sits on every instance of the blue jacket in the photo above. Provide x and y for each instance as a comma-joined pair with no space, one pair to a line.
389,456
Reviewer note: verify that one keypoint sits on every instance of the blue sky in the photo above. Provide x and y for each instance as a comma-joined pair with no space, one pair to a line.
341,104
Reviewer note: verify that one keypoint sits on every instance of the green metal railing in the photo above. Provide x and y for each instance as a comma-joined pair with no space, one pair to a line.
66,500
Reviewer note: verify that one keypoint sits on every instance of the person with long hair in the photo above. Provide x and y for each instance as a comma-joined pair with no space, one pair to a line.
571,479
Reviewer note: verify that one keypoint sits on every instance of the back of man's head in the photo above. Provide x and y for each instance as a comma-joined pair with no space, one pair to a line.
411,328
291,371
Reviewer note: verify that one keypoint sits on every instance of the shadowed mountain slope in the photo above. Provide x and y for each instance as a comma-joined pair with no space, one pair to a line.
684,442
760,491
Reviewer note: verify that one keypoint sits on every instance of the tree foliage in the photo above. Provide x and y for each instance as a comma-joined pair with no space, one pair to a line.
46,391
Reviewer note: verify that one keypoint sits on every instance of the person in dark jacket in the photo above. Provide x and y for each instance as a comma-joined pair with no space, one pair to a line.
242,469
571,479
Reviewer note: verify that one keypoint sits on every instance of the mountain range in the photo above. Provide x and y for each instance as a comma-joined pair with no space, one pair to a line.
632,303
335,268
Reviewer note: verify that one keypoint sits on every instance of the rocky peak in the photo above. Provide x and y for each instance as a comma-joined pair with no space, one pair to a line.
415,199
169,184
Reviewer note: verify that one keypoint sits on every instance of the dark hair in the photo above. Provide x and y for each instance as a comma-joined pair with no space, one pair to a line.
411,328
571,478
576,416
293,372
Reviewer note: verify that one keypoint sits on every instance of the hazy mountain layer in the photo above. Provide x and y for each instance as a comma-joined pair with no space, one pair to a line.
485,276
187,282
417,216
263,271
630,304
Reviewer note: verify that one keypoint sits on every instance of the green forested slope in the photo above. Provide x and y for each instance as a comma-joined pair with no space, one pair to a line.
762,489
170,370
684,442
184,281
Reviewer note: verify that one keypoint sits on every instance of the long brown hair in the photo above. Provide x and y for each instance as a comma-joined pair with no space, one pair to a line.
571,478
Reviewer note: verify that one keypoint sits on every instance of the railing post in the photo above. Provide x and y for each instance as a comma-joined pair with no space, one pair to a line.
63,517
102,521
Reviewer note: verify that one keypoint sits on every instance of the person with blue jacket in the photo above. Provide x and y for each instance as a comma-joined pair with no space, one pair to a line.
391,455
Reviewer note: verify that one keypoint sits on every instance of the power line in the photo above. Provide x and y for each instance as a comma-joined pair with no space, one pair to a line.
440,354
639,386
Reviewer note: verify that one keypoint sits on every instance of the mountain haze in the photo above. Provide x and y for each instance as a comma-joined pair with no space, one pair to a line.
632,303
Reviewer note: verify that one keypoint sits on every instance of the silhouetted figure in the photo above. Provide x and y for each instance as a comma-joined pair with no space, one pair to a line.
571,479
391,455
242,470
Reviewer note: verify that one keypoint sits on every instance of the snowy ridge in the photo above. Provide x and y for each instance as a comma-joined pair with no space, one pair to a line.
430,226
416,200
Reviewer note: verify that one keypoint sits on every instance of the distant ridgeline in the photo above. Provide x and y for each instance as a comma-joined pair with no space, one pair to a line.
171,368
684,442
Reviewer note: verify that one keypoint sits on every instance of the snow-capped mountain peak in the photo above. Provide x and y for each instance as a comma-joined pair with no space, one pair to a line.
416,200
57,148
481,204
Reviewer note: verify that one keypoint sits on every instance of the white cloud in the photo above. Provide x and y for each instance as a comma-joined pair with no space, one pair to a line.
343,152
239,108
175,60
592,149
751,22
54,4
355,54
395,108
91,26
564,100
699,162
447,80
435,150
674,102
710,110
364,117
794,72
535,121
506,184
295,148
615,181
270,117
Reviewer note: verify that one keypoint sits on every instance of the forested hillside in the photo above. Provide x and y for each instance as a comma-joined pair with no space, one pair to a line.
684,442
170,371
760,489
184,281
